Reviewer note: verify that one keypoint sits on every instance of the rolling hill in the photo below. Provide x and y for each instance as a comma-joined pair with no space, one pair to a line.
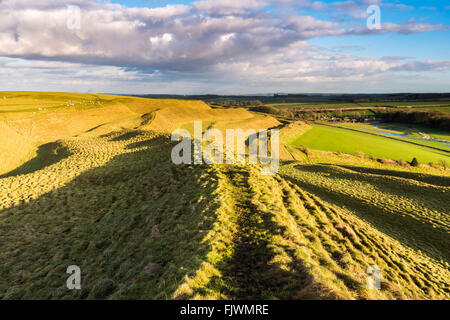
87,180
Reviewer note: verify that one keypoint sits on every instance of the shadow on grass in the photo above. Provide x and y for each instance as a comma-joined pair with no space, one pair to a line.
94,128
250,273
424,194
134,226
420,177
47,155
127,136
416,234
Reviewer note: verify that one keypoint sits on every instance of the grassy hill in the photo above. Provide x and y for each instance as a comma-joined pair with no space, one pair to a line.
99,191
29,120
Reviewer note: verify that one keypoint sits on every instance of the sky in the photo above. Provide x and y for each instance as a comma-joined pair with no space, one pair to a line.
225,46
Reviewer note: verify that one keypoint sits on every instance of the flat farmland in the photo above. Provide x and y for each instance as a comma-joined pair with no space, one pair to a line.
341,140
409,132
326,105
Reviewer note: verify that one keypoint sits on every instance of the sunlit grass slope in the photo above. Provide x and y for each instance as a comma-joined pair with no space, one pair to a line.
100,191
14,147
29,120
192,232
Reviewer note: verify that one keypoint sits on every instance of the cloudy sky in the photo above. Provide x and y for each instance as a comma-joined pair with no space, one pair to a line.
224,46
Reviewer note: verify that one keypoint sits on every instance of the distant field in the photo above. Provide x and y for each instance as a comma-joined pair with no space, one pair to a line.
404,104
441,109
345,141
316,105
359,105
408,132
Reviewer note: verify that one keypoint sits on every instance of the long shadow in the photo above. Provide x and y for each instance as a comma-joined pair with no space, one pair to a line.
128,135
246,269
421,177
148,142
250,274
134,226
402,189
418,235
94,128
47,155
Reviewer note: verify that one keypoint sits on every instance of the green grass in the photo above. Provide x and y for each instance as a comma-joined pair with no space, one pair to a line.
441,109
405,104
345,141
400,207
364,104
83,217
212,232
16,102
318,105
106,197
410,131
357,113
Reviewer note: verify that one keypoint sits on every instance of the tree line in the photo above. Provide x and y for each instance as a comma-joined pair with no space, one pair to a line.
435,119
299,114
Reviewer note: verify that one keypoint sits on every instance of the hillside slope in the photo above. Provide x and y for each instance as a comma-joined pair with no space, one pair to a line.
105,196
30,120
142,228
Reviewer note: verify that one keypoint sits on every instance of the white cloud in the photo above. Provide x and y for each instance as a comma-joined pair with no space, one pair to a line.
228,7
224,39
136,37
161,40
227,37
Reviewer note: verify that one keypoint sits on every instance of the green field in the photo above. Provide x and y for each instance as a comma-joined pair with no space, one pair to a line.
346,141
440,109
317,105
407,132
406,104
428,104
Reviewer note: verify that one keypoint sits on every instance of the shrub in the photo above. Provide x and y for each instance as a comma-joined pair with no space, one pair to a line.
414,163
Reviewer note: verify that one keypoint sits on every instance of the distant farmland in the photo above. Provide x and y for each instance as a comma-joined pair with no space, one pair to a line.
414,104
345,141
440,109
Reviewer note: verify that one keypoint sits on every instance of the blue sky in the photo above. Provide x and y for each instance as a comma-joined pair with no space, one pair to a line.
224,46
